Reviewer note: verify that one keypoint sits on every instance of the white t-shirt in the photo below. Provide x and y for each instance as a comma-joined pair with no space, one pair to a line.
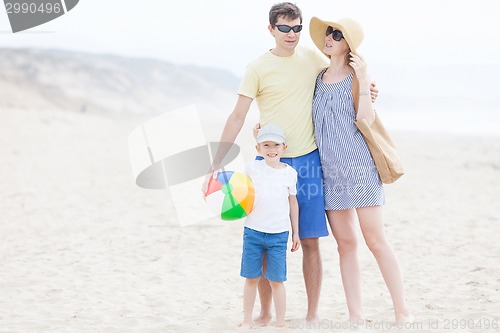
271,210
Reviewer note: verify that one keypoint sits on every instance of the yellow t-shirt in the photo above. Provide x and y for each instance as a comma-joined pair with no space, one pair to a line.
284,89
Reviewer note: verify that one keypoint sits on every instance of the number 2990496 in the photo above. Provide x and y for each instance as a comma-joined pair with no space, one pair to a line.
32,8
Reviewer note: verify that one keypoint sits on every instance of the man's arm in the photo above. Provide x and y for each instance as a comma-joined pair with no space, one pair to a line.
233,126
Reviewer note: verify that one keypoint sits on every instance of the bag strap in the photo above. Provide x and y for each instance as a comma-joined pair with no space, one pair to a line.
355,92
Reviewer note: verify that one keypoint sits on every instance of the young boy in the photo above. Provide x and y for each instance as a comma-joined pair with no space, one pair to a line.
267,226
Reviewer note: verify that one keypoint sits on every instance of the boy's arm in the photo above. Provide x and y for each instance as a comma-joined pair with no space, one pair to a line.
294,218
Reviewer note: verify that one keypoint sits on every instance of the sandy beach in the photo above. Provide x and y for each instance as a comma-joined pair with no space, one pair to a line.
83,249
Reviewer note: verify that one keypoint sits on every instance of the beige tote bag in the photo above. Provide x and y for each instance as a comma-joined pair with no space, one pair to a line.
379,143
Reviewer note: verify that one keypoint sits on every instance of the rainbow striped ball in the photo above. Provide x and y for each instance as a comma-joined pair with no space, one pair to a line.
231,195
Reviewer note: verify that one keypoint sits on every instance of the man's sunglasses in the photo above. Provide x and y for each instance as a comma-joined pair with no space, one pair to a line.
286,28
336,34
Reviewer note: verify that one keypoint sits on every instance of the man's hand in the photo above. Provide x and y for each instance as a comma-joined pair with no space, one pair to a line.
373,92
210,176
255,130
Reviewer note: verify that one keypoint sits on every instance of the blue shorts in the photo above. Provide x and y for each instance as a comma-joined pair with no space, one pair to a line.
254,245
312,219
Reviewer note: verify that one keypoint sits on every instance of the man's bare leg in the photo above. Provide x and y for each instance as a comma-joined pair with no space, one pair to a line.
313,272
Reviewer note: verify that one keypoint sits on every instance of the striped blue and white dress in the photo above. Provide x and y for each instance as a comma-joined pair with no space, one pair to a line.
350,178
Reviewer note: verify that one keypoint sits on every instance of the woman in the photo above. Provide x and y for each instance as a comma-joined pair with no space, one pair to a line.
352,186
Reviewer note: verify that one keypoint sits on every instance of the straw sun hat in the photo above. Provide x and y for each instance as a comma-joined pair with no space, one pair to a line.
351,30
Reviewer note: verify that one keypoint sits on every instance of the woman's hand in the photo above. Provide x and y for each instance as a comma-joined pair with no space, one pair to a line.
358,63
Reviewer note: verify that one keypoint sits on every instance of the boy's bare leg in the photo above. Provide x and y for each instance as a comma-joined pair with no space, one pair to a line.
279,297
313,272
265,296
249,294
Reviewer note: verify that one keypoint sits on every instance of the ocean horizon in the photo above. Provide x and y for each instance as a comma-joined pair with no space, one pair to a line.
478,123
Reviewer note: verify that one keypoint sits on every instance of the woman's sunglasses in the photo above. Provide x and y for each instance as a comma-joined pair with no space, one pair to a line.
286,28
336,34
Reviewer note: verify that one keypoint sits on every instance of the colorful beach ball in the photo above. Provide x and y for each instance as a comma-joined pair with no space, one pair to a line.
231,195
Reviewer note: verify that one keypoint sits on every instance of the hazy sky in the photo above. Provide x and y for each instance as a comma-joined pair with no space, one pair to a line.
229,33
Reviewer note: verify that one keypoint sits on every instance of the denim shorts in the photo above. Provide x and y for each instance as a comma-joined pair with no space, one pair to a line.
312,219
255,243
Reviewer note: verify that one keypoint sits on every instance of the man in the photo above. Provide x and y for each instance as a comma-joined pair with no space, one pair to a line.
282,82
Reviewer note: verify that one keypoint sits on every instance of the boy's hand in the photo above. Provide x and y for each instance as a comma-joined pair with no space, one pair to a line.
295,242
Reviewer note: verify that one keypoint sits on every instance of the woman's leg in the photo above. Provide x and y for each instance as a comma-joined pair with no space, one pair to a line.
372,226
343,224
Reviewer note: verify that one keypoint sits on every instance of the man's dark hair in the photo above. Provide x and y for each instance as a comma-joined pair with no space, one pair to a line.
284,9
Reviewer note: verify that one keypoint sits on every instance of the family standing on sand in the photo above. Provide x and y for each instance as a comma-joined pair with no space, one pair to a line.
318,162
